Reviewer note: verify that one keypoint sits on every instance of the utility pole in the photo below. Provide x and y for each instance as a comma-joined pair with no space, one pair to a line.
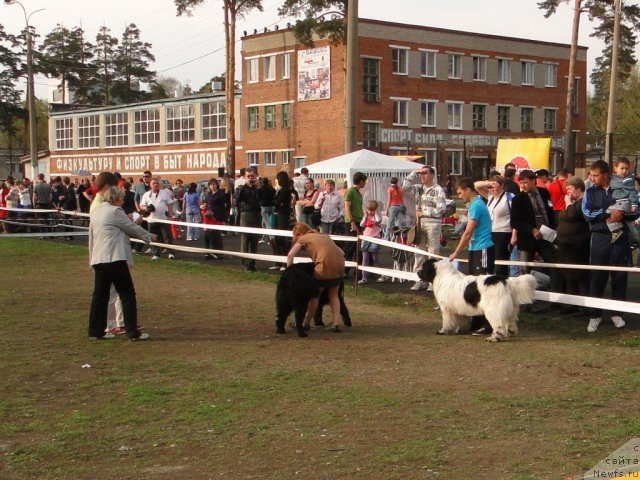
613,84
351,80
31,97
568,161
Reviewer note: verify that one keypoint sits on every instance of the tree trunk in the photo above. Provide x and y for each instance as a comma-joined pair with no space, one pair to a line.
229,86
568,162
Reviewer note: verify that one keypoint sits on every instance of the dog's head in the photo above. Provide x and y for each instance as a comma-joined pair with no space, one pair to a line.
428,271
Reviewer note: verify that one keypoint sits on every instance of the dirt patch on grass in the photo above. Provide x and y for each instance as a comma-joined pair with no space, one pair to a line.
216,394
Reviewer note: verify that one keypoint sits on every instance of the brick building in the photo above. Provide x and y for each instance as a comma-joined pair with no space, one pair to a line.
446,94
174,138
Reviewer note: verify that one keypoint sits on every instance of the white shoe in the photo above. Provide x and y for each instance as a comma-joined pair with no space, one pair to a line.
142,336
171,256
148,251
274,267
382,279
419,285
282,269
155,257
594,323
429,288
363,281
618,321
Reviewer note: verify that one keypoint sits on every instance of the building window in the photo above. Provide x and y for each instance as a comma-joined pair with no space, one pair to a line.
371,80
64,133
503,118
253,116
527,73
526,119
400,112
299,161
253,66
270,67
428,114
270,116
504,70
454,114
270,158
214,121
549,120
285,157
146,127
479,115
480,68
370,134
116,129
253,158
286,65
575,97
454,158
180,124
399,61
550,75
286,115
428,64
430,157
455,65
89,131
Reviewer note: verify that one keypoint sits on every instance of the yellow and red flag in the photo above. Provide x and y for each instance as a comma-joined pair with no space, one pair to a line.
524,153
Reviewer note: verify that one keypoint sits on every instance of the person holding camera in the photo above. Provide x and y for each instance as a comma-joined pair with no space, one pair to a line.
157,203
248,205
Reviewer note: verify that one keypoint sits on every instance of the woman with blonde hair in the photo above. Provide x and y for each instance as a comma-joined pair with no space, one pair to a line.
329,267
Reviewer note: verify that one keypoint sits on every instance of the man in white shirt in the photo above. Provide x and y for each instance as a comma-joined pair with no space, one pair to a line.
298,185
158,204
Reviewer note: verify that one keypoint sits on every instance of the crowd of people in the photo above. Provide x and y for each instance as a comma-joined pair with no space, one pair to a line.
527,216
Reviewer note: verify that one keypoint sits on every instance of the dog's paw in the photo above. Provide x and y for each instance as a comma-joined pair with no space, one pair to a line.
346,321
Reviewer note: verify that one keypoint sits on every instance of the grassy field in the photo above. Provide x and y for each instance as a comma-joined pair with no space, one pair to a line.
216,394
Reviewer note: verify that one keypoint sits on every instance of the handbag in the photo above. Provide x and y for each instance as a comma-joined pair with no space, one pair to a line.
316,217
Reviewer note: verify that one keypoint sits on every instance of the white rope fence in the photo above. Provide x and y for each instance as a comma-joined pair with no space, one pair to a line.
581,301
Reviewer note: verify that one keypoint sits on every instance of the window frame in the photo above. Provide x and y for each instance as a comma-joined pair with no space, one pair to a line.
424,113
528,72
269,66
506,125
270,158
285,111
370,134
253,70
285,68
270,117
454,157
64,133
425,55
180,123
371,81
451,114
400,110
553,125
504,70
142,136
479,68
479,116
523,125
207,118
285,157
89,132
253,119
454,66
550,80
253,159
116,129
399,59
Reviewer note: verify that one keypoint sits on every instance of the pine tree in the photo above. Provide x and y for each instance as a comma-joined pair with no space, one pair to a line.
105,56
132,65
322,18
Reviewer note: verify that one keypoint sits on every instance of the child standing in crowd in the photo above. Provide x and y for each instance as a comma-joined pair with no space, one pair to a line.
371,223
623,191
395,206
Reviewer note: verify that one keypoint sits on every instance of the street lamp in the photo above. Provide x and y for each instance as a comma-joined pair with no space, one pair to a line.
31,99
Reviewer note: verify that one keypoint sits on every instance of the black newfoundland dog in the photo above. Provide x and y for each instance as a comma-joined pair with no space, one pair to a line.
295,288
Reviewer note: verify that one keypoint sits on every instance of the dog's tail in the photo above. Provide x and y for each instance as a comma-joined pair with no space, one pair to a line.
523,288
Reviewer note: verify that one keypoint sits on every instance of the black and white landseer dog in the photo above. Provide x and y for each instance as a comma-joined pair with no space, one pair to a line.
296,287
462,296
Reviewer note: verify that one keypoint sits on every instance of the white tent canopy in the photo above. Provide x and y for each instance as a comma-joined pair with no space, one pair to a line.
379,169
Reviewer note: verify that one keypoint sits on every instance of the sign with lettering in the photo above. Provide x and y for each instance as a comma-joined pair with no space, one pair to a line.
134,163
406,135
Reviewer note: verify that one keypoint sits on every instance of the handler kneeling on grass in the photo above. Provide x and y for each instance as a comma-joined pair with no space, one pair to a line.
329,267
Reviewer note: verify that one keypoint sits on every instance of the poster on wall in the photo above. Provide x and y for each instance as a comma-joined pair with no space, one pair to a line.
524,153
314,74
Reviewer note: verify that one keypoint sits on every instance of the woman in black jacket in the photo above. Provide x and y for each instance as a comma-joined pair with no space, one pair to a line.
283,208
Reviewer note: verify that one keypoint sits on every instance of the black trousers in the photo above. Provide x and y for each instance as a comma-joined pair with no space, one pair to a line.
547,251
163,231
116,273
249,241
501,241
213,239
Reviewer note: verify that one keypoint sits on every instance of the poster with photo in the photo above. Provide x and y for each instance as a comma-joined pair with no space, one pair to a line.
314,74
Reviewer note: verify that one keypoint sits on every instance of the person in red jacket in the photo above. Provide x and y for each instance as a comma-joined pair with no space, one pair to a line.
558,192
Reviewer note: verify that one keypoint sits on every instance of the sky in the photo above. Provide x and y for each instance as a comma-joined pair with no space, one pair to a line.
191,49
